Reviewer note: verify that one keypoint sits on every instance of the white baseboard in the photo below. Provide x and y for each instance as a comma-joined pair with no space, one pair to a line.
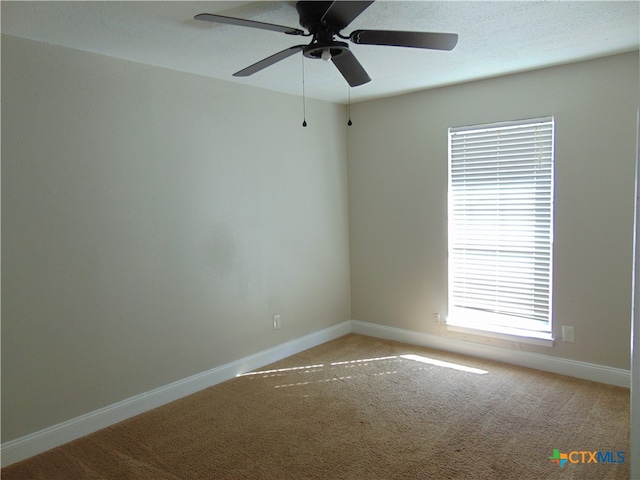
563,366
56,435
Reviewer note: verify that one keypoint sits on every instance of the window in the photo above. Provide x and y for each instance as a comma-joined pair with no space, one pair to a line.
501,227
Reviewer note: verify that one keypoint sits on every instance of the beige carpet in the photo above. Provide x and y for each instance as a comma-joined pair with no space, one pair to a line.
361,408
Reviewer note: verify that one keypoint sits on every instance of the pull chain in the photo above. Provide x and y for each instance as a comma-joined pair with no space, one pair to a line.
349,123
304,106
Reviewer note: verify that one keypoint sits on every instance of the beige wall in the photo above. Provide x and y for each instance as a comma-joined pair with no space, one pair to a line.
153,222
397,151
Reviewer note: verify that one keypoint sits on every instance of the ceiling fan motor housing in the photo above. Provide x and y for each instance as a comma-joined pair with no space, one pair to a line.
311,14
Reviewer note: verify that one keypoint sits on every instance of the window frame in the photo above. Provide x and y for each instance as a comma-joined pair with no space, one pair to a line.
465,319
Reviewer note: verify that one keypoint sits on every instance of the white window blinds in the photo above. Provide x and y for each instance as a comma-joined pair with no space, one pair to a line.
501,223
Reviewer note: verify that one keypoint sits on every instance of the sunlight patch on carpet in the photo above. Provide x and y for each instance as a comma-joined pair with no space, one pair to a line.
440,363
364,360
307,368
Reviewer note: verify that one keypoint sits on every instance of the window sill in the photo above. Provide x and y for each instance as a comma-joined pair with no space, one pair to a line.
505,333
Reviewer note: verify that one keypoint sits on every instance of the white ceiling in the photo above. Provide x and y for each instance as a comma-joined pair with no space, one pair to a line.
495,38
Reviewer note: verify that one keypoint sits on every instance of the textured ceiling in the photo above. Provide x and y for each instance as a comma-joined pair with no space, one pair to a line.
495,38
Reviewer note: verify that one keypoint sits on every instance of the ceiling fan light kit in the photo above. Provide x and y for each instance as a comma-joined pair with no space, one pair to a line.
324,21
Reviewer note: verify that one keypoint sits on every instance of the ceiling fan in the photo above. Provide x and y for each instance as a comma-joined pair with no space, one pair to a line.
323,21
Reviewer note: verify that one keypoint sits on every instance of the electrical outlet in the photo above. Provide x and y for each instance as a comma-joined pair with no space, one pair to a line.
276,322
436,318
568,334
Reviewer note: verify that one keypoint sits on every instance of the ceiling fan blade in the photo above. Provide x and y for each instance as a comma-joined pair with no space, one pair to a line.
266,62
209,17
435,41
342,13
350,68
